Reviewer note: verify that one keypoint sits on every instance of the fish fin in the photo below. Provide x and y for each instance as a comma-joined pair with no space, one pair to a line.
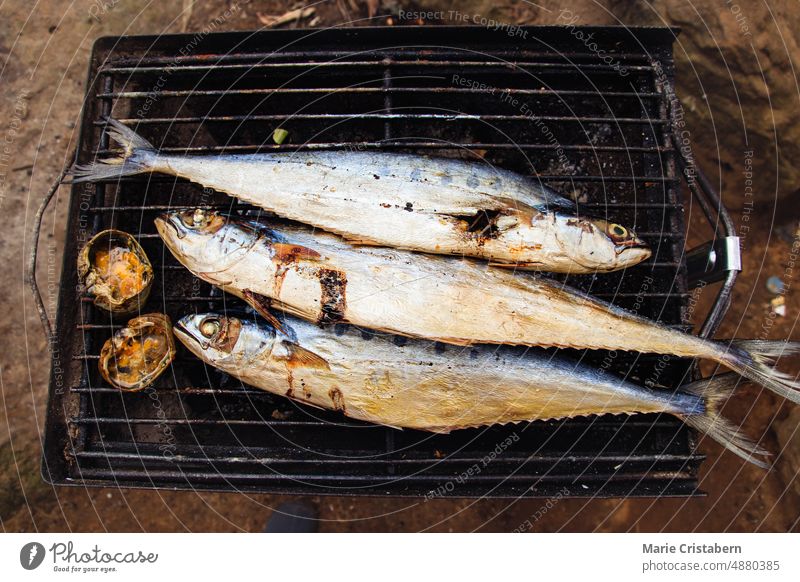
512,204
715,391
767,351
549,201
136,158
753,360
290,252
262,305
126,137
298,356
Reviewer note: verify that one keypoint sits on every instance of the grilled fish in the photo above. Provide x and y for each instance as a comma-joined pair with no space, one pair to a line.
414,384
321,278
439,206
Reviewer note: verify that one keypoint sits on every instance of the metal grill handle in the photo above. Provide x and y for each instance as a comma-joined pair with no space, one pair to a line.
31,271
727,261
711,262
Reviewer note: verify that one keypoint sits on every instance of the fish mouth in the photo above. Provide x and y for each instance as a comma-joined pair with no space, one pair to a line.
183,332
165,222
188,337
632,243
633,252
185,329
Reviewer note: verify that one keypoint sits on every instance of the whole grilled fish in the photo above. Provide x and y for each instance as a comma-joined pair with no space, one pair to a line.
439,206
415,385
323,279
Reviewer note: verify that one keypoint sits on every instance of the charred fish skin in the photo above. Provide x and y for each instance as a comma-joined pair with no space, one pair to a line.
322,279
416,385
433,205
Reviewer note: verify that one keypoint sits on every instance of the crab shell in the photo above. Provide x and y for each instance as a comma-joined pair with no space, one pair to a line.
106,295
138,353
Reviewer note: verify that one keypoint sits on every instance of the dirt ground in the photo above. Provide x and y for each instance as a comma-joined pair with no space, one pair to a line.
45,49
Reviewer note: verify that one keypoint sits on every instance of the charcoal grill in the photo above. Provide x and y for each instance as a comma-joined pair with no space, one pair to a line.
604,137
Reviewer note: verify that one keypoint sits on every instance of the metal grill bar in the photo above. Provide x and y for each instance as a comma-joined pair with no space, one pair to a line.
384,116
427,64
511,459
378,90
377,55
369,479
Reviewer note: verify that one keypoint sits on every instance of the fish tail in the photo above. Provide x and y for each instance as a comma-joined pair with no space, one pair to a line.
754,359
715,391
137,157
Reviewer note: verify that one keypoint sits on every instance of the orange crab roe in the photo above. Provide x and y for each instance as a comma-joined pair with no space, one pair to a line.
121,269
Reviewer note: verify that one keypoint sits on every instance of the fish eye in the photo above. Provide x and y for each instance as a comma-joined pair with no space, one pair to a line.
196,218
210,326
617,232
199,217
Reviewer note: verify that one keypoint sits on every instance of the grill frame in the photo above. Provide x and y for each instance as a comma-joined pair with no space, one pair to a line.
512,474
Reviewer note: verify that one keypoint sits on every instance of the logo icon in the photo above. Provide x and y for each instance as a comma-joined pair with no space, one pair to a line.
31,555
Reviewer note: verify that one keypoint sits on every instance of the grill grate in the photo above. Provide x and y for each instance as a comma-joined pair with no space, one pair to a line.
601,136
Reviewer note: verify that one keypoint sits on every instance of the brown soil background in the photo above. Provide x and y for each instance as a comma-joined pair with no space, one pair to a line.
45,51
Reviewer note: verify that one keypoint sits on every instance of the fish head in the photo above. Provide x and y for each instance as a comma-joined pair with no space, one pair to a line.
206,241
224,341
600,245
